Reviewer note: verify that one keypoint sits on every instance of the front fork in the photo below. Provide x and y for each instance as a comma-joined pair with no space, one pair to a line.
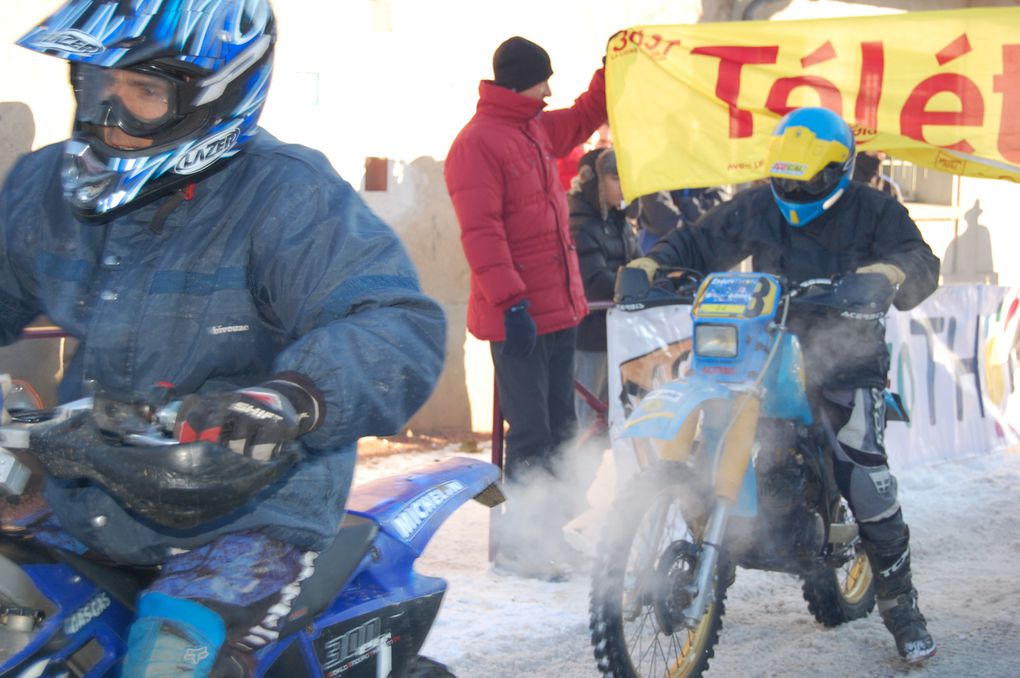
708,561
735,443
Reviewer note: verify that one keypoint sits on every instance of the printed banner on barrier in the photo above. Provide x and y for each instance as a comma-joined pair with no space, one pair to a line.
955,368
955,363
694,105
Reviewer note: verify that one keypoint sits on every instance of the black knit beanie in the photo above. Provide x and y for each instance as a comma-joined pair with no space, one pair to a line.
519,64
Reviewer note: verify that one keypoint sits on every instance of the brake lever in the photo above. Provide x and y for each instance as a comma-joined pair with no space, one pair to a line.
149,440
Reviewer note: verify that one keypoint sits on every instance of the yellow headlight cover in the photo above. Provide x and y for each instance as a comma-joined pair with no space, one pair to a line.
799,155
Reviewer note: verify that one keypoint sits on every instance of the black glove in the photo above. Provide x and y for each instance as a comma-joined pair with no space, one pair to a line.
253,421
521,333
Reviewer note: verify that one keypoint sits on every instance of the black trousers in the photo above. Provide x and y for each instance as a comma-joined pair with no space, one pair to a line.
536,395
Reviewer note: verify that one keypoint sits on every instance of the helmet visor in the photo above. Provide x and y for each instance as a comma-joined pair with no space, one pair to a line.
799,154
815,188
138,102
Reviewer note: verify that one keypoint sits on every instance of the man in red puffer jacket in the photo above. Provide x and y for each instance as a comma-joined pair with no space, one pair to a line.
527,296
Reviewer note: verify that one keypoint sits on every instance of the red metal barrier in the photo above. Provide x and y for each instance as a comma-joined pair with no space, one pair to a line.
44,332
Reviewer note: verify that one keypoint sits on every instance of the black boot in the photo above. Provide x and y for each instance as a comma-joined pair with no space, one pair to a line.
897,597
906,623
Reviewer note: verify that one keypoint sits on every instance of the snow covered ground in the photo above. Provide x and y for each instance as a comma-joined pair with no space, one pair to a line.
966,549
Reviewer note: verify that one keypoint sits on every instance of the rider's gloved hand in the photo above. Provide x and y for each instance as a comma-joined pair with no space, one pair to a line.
253,421
646,264
521,332
893,273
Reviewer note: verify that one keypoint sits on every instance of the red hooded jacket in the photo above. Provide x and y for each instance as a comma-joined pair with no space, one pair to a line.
515,228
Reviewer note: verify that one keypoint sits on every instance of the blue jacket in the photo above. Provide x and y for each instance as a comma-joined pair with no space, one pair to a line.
274,265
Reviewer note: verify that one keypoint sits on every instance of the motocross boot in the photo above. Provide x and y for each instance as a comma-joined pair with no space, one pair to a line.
897,597
906,623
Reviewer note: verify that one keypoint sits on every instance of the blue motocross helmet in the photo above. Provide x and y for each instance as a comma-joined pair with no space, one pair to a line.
810,162
166,92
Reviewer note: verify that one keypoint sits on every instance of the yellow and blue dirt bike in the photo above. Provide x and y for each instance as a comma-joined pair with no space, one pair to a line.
742,476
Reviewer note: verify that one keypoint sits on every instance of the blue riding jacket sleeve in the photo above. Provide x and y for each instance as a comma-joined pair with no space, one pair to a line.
274,265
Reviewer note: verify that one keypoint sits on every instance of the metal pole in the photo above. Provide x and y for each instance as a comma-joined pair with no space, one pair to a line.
496,512
44,333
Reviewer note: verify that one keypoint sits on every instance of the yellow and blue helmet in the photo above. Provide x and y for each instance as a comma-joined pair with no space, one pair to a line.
810,161
185,80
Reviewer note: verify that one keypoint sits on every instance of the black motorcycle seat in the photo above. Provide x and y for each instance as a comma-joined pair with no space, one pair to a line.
333,567
122,583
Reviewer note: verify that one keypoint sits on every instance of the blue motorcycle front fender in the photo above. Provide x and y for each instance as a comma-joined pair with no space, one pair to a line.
662,413
411,507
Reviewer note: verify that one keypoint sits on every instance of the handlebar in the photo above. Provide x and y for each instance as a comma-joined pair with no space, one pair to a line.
671,285
855,296
127,448
816,282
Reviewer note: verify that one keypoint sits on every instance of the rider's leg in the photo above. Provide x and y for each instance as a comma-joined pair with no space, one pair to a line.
211,607
863,476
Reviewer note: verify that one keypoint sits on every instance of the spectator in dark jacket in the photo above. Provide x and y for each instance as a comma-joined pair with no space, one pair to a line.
663,212
567,165
868,170
526,292
605,242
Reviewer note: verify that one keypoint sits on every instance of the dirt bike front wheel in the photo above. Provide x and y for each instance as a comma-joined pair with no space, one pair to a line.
645,560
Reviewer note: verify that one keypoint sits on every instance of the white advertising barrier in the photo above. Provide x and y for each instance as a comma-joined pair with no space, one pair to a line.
955,363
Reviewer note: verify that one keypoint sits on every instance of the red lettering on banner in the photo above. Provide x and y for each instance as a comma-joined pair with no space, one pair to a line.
915,115
1008,85
669,45
779,96
949,163
619,41
654,45
956,48
870,92
727,85
823,53
751,165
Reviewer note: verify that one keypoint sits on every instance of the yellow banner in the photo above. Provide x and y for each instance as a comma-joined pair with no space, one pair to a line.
694,105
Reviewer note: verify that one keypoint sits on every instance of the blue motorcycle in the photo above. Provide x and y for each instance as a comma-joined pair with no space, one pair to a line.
364,611
742,477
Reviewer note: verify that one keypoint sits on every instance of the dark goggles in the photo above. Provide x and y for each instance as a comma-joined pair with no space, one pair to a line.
815,188
141,103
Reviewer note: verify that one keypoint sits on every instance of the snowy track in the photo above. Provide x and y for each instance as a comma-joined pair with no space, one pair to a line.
966,550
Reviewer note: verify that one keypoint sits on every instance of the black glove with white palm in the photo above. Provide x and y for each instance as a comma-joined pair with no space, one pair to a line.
254,421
